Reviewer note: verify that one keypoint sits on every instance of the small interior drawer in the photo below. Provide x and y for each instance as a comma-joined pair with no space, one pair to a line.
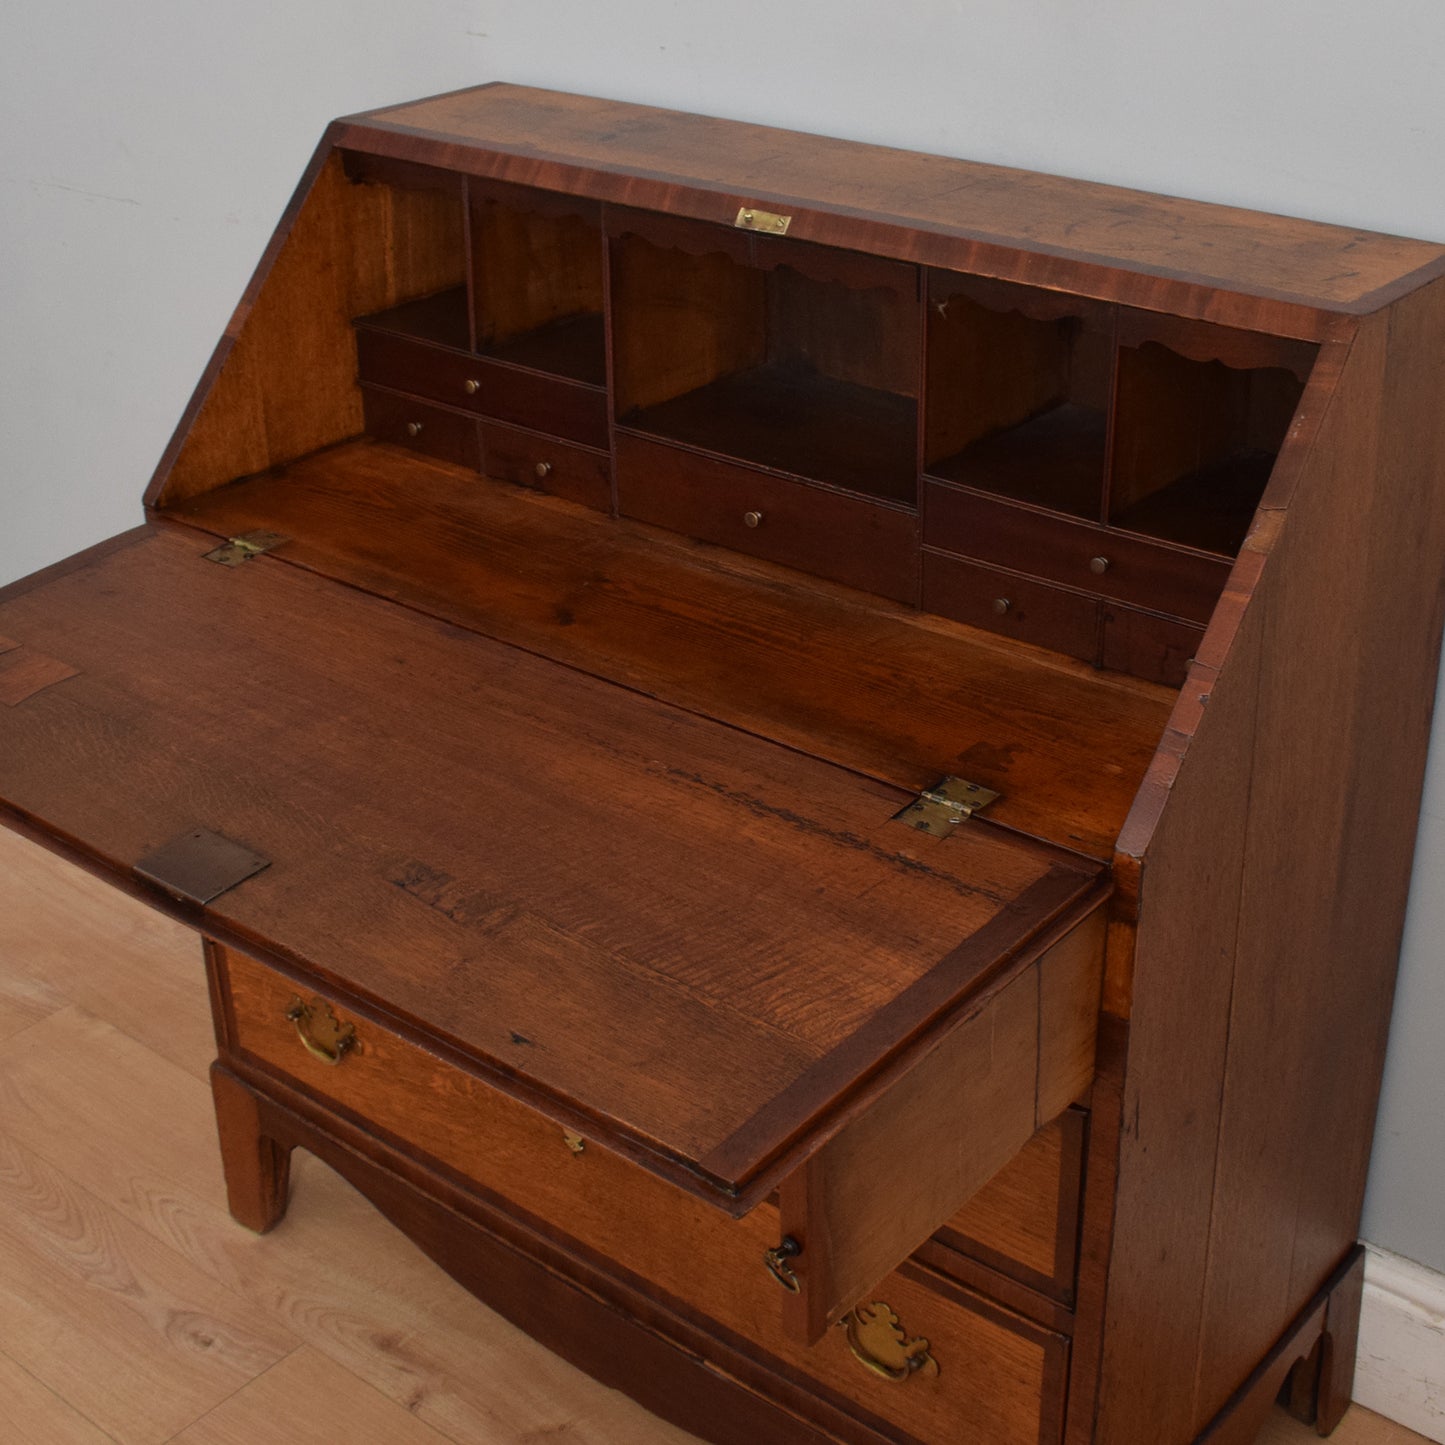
438,431
555,405
1079,554
866,544
545,464
1011,605
405,363
1158,649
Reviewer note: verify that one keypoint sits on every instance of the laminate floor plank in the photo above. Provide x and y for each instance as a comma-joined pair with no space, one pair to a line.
301,1398
133,1308
142,1132
67,937
36,1415
1359,1427
122,1328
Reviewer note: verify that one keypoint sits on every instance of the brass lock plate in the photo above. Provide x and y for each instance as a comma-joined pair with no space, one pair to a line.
769,222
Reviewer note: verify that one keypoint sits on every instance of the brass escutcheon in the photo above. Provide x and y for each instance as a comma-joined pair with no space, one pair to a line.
319,1030
750,218
881,1345
777,1259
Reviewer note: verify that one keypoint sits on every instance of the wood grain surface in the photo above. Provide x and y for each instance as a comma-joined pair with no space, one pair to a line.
449,820
282,381
808,665
841,192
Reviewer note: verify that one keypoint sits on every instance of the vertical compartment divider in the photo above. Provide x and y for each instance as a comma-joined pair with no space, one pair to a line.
469,253
604,241
1111,427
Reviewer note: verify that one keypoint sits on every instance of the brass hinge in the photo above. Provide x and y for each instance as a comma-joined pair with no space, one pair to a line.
941,808
752,219
240,549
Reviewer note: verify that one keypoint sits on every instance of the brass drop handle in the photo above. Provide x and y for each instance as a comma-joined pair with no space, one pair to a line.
777,1259
880,1344
321,1033
413,428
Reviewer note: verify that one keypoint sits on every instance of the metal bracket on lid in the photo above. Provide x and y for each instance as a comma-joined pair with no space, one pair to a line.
200,865
941,808
241,549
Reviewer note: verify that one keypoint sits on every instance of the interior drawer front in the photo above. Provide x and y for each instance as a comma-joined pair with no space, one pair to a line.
549,404
528,459
829,534
1011,605
403,363
1091,558
1025,1221
436,430
1158,649
1000,1376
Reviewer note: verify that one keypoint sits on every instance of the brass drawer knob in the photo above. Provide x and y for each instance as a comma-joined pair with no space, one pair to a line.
471,387
542,471
1002,605
777,1259
413,428
325,1037
880,1344
753,519
1099,565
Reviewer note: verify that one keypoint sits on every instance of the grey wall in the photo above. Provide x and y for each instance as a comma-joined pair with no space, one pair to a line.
147,149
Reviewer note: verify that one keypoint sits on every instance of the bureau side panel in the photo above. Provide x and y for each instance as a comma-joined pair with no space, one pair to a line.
1177,1032
282,382
1259,1021
1351,646
1185,839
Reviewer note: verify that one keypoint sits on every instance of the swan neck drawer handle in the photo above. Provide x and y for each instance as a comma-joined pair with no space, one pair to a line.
880,1344
321,1032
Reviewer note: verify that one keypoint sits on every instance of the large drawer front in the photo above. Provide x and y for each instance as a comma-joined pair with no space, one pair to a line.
1000,1377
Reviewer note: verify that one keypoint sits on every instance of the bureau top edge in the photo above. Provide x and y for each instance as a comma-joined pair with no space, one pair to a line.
1196,258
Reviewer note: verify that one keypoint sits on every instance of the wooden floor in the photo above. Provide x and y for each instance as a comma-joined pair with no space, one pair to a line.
133,1310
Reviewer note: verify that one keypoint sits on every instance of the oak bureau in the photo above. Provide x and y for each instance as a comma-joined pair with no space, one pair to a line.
801,759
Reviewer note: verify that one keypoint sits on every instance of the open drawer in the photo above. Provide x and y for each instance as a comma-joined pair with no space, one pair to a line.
559,904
